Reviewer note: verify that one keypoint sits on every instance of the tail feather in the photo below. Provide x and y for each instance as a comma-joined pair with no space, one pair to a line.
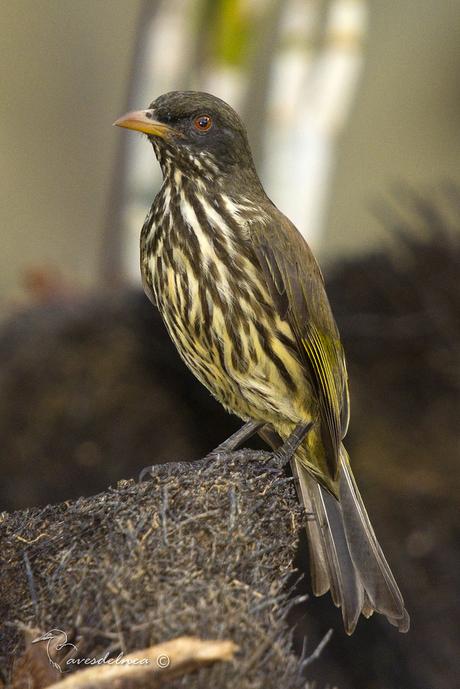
375,573
331,565
319,569
344,552
352,592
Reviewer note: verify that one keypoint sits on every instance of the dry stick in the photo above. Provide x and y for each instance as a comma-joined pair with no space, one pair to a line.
318,650
156,665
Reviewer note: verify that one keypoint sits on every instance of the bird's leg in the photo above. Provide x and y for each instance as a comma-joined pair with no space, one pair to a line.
270,437
285,453
238,438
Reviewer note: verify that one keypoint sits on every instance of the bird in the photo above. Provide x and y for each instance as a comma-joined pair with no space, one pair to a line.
244,301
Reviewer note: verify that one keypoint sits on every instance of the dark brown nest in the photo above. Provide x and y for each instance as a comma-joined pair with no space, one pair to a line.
203,549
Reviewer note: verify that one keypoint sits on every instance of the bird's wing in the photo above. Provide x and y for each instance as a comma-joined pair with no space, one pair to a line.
296,285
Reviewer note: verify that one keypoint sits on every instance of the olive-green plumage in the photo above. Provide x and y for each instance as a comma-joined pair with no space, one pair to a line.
245,304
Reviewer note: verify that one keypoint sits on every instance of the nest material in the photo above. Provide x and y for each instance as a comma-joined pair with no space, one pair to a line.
203,548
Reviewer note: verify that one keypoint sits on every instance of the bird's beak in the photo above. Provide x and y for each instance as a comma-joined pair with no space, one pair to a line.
143,121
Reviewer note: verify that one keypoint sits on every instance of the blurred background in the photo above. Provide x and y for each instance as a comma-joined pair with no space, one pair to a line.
351,96
353,112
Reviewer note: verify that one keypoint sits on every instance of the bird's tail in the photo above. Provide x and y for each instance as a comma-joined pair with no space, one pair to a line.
345,555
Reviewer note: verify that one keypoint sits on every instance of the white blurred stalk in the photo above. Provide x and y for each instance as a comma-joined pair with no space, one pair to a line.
310,99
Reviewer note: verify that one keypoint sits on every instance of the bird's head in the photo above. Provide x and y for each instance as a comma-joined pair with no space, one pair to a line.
194,132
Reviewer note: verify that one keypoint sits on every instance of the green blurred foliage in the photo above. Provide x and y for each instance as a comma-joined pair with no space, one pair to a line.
230,26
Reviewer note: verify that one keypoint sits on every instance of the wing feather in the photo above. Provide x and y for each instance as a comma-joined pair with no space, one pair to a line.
296,286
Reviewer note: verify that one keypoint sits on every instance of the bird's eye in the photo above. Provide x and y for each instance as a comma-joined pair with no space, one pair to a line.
203,123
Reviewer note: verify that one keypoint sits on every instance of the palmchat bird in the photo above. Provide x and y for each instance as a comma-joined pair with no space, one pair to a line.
244,301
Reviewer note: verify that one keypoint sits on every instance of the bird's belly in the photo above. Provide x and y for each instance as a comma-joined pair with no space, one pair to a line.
249,365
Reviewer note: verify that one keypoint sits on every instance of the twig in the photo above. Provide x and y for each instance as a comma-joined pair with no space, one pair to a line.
318,650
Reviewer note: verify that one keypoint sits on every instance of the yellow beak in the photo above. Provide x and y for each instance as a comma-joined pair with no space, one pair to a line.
143,121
